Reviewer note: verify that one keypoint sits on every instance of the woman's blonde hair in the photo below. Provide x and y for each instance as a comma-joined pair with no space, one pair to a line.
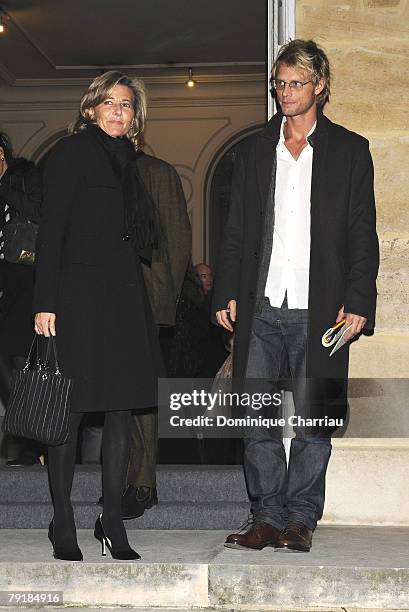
100,89
307,56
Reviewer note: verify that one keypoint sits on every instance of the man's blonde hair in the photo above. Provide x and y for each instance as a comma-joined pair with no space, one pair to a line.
307,56
100,89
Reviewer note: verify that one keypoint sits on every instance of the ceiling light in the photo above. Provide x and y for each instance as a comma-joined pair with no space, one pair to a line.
3,20
190,82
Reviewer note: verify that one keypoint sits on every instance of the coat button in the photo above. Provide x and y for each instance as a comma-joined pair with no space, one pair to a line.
251,295
125,237
255,254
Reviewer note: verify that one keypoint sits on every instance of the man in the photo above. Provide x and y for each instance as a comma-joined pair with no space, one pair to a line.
205,274
300,252
163,279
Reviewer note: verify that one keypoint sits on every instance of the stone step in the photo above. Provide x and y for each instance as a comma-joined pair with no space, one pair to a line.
347,568
195,483
166,515
191,497
366,485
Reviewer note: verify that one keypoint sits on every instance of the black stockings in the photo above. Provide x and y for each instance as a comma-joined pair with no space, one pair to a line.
116,439
115,457
61,464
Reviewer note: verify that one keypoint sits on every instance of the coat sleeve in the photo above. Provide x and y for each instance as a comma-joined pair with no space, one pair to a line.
26,201
226,285
175,225
363,247
61,179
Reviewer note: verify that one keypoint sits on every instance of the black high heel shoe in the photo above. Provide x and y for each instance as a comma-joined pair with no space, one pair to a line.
127,554
74,554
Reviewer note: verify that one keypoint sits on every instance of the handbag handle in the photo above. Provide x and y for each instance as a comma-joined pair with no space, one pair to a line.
51,343
30,353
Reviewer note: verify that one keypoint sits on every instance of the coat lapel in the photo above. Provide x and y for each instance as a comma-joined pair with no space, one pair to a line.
265,156
320,145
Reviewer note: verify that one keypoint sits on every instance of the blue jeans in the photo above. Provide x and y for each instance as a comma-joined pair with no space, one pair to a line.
277,494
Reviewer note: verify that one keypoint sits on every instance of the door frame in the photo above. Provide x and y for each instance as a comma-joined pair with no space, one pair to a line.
280,30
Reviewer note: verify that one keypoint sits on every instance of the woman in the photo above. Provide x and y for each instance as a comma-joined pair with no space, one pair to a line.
20,198
89,293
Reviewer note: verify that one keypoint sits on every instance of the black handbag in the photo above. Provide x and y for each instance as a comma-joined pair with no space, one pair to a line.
20,236
38,408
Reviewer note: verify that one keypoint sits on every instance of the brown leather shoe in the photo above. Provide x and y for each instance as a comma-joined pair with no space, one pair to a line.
295,537
256,537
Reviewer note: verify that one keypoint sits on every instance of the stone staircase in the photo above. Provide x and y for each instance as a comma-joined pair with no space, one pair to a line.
366,485
191,497
348,568
184,563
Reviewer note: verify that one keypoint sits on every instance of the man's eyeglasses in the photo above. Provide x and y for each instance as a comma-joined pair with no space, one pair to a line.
279,85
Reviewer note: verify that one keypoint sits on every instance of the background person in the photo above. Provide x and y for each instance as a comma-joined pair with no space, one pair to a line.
20,197
163,278
90,292
205,274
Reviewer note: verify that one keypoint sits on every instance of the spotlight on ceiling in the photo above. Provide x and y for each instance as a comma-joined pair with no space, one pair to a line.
3,19
190,82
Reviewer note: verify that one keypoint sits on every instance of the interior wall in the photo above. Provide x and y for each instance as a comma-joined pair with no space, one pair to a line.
367,42
185,127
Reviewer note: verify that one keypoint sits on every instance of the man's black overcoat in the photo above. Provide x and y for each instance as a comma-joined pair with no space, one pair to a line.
92,279
344,246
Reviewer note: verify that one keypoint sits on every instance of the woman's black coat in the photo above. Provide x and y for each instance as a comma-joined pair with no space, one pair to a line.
344,254
91,278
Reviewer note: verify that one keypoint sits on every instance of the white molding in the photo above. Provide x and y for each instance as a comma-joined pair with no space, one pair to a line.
280,29
153,103
205,102
155,66
271,36
287,32
46,105
169,79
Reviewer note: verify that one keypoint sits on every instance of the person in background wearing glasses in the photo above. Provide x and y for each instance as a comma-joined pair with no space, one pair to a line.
300,251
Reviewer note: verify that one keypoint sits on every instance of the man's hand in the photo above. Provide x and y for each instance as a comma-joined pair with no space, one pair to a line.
356,321
222,316
44,324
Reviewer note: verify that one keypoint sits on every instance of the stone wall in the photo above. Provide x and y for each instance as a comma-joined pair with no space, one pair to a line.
367,42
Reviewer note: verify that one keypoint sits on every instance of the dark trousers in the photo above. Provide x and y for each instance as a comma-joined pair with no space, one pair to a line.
144,449
279,494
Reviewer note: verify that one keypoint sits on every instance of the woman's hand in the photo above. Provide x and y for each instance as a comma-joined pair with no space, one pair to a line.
44,324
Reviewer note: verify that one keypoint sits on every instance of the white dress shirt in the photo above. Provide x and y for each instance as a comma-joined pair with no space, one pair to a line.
290,257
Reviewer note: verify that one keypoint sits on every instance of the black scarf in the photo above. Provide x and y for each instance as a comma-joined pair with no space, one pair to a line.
139,222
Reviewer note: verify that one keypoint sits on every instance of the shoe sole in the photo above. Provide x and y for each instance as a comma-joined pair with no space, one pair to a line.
131,517
128,517
287,549
241,547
